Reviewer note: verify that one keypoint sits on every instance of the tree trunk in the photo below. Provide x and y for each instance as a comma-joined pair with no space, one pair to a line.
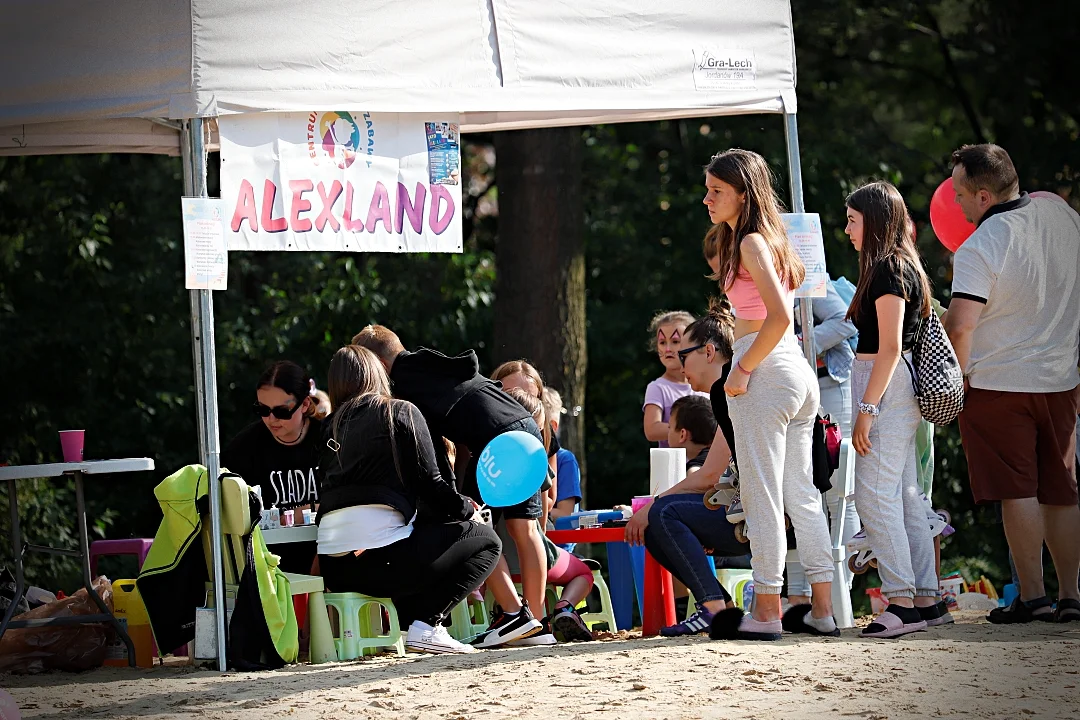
540,265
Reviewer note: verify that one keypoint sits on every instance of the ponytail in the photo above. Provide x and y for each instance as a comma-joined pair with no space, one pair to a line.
717,328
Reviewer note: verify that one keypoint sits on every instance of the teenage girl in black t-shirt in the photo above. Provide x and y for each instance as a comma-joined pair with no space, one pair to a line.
279,451
892,297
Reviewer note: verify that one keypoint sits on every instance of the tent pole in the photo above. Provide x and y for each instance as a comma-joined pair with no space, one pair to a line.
806,305
202,331
193,298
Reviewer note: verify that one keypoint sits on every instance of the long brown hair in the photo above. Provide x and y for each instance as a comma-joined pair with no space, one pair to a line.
750,175
531,374
888,236
356,376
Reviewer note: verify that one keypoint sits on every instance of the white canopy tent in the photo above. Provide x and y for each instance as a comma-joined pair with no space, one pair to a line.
149,76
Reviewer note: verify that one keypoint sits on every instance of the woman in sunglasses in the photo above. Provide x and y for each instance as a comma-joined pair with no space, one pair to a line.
279,451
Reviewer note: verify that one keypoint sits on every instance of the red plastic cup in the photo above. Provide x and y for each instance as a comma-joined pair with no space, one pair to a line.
71,444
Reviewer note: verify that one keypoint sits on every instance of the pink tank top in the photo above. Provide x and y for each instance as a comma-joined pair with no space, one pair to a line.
746,300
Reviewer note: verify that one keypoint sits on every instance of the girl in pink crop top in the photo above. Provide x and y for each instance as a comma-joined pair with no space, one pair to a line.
746,300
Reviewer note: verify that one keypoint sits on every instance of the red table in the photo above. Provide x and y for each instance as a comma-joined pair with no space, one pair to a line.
659,600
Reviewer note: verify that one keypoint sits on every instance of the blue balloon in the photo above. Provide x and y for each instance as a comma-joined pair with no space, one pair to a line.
511,469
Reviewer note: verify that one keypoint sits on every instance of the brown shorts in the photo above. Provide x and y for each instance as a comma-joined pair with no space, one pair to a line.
1021,445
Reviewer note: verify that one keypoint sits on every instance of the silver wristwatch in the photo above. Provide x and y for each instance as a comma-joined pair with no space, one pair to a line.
868,409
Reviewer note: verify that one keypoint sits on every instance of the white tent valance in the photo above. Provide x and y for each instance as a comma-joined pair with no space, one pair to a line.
501,64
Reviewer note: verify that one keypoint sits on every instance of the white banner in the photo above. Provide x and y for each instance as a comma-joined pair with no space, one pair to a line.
359,182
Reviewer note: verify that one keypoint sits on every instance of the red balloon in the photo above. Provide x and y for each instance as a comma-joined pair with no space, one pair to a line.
950,225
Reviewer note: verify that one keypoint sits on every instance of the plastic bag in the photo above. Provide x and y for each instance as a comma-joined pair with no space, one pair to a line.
59,647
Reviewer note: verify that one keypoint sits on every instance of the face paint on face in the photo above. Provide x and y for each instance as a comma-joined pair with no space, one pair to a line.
668,342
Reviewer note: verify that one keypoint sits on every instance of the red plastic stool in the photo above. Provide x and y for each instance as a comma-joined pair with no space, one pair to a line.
130,546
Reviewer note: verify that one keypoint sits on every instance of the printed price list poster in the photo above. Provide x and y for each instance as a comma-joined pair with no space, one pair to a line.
206,259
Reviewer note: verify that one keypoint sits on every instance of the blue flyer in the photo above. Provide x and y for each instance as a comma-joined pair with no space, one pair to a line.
444,152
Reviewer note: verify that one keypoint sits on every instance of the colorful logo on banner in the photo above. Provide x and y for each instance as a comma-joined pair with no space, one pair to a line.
334,136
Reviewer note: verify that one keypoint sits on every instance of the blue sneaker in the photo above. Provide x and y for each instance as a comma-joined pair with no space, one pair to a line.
696,624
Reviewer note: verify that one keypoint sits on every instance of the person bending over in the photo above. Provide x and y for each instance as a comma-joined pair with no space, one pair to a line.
390,525
466,408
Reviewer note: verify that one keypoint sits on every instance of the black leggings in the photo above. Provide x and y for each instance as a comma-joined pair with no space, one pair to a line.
426,574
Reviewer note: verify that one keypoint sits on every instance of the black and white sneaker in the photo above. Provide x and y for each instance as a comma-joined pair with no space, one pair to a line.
505,627
543,637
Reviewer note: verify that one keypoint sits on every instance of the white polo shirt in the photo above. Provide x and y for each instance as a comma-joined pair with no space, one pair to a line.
1023,262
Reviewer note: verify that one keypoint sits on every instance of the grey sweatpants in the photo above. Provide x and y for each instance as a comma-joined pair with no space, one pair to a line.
887,488
774,423
835,402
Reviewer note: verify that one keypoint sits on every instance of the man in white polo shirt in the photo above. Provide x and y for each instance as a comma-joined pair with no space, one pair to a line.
1014,321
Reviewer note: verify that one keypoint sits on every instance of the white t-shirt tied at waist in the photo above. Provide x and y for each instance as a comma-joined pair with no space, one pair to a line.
1024,262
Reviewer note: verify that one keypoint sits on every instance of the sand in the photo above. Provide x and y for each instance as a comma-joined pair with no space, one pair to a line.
970,668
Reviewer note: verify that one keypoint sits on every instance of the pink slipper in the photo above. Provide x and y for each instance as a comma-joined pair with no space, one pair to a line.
888,625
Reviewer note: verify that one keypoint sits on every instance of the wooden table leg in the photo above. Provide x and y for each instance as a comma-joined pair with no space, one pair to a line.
659,598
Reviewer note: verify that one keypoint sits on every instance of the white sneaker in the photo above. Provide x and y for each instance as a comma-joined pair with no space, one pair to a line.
424,638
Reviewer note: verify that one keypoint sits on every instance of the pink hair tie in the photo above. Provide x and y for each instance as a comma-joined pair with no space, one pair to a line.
743,370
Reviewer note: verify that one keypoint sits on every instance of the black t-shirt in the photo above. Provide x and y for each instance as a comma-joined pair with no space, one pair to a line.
890,277
699,459
718,398
286,473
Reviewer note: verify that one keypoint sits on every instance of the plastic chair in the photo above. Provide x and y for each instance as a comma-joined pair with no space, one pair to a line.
128,546
235,522
607,611
734,581
469,618
355,635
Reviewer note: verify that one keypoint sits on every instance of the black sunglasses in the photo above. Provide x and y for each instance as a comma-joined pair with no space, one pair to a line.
281,412
686,351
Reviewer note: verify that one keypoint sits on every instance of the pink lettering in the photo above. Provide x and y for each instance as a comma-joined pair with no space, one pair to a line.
414,208
353,226
299,205
326,215
440,194
379,210
245,208
269,222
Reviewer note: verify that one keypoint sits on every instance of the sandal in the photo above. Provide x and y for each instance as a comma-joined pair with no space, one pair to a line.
734,624
890,624
1022,611
794,621
1067,605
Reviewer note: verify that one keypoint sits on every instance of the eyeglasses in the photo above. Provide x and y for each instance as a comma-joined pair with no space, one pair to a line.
686,351
281,412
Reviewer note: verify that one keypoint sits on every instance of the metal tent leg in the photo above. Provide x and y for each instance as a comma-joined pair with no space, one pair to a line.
202,334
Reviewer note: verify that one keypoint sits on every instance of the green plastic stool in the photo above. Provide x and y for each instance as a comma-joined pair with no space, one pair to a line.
732,580
607,612
355,635
468,619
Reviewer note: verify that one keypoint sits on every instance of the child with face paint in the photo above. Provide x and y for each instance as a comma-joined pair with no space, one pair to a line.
667,330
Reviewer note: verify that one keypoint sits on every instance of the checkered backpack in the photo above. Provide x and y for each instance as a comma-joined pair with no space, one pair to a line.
936,375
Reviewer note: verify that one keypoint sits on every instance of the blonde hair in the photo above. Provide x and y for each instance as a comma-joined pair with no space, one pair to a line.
380,340
553,404
531,374
749,174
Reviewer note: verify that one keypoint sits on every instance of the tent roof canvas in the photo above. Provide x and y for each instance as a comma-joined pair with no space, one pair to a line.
89,76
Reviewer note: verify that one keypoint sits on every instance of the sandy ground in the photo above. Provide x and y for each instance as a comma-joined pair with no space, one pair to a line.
971,668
